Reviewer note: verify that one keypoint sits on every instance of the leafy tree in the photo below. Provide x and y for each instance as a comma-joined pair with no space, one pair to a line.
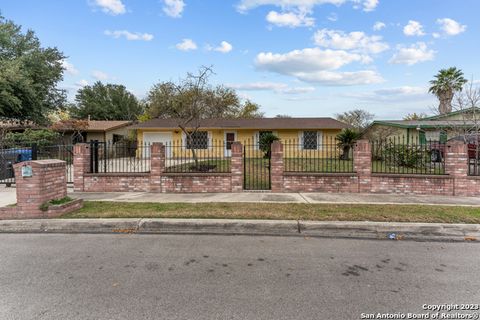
359,119
106,102
29,74
446,83
30,136
415,116
346,140
193,99
265,144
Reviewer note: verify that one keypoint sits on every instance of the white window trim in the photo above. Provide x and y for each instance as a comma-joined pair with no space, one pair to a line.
209,142
301,139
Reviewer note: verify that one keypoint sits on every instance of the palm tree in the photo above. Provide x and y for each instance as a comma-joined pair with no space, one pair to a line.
346,139
446,83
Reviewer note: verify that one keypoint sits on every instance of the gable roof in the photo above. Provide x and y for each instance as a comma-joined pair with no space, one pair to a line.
453,113
413,124
255,123
97,126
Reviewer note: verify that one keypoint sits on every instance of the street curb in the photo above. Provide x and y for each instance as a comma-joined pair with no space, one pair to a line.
327,229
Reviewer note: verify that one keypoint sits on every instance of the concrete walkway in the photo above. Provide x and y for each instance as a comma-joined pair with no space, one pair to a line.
346,198
7,196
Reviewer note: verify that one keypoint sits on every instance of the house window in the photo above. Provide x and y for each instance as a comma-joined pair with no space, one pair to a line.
261,134
198,140
310,140
117,137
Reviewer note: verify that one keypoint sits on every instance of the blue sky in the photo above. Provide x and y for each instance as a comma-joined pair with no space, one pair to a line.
297,57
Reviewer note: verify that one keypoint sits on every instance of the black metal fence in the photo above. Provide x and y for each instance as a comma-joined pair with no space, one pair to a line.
202,157
408,156
473,159
256,167
325,156
119,157
15,154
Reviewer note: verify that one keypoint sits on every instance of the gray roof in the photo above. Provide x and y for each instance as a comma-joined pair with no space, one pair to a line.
256,123
427,123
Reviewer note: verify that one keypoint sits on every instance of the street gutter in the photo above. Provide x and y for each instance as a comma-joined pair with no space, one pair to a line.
327,229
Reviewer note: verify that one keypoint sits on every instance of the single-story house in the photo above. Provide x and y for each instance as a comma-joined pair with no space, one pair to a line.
111,131
308,133
438,128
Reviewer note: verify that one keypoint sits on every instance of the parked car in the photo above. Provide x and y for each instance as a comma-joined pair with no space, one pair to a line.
8,157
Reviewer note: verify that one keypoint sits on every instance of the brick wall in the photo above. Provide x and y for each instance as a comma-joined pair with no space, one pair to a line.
362,180
48,182
157,180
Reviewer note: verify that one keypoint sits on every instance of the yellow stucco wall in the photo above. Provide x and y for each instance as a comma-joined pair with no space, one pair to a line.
290,138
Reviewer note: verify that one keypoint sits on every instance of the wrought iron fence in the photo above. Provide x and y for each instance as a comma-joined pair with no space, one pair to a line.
325,155
473,159
408,156
202,157
119,157
14,154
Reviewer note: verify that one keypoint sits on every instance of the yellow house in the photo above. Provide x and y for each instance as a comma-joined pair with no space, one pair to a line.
307,134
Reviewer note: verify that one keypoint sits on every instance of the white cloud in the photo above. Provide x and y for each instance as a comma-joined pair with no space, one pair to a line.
271,86
82,83
399,94
306,5
186,45
290,19
332,17
379,25
173,8
316,65
224,47
414,54
451,27
356,40
413,28
113,7
131,36
69,67
369,5
99,75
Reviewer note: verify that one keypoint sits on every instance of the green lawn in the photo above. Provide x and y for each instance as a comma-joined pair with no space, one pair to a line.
212,165
435,168
281,211
329,165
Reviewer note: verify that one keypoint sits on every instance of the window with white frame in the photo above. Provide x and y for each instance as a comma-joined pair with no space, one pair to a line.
310,140
198,140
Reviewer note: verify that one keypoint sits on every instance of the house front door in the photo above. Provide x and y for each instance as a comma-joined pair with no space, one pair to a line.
230,137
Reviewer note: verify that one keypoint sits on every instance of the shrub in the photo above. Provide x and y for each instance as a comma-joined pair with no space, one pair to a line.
265,144
406,156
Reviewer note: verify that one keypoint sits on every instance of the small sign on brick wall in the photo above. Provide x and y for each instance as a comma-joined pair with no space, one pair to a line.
26,171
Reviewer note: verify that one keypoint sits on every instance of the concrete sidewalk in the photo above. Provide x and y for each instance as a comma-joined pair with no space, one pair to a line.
7,196
266,197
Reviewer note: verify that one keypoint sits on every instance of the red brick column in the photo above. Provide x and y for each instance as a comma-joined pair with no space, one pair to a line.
237,167
81,165
157,166
48,182
362,164
276,169
456,165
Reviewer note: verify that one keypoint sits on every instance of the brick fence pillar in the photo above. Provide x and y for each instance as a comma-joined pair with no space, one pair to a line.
276,169
157,166
456,165
81,165
237,167
362,164
48,182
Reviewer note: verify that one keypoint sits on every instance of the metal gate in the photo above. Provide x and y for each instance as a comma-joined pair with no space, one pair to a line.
256,168
10,156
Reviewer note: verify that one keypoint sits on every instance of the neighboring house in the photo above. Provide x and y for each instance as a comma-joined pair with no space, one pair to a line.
112,131
437,128
308,133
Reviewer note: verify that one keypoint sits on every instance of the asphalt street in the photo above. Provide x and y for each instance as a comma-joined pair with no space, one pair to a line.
86,276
